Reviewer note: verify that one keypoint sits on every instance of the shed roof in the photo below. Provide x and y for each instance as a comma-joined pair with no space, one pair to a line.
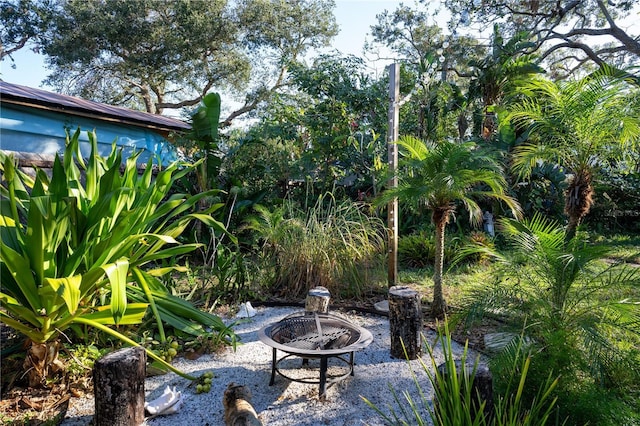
42,99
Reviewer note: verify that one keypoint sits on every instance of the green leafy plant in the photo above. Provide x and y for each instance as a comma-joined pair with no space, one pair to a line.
456,401
81,248
581,313
417,250
579,125
437,176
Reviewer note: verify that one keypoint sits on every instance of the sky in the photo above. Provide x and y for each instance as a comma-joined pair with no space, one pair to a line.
353,16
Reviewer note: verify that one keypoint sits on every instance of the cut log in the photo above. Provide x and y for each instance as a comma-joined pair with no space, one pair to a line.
118,382
317,300
481,387
405,322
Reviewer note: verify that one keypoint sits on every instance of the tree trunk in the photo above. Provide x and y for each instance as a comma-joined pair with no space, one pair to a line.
481,387
42,363
439,306
572,228
118,381
405,322
578,201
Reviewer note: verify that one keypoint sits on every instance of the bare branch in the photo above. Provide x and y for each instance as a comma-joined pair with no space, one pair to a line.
250,106
7,52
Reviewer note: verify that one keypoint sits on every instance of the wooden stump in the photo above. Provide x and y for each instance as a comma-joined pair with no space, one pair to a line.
118,382
481,387
317,300
405,322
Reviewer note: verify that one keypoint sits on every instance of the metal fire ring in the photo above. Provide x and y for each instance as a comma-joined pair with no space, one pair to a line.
310,335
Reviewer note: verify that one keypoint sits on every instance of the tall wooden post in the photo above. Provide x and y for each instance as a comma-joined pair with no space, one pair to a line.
392,137
405,322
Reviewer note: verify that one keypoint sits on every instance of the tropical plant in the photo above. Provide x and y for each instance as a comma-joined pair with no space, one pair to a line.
579,125
571,37
331,244
580,315
499,70
204,135
436,176
343,113
79,246
456,400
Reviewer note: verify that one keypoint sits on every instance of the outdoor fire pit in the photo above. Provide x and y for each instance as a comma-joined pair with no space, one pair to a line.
310,335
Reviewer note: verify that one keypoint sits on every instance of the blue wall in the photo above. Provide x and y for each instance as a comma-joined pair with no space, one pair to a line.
43,132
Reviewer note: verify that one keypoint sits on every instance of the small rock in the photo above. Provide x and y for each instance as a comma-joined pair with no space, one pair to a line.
382,306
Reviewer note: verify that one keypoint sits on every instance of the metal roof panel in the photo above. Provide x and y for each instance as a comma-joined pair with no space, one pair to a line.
14,93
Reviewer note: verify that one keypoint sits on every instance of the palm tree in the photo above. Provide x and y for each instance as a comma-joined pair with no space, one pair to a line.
437,177
494,74
578,125
573,305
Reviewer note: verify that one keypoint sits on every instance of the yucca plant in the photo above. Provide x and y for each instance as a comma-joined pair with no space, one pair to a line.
79,246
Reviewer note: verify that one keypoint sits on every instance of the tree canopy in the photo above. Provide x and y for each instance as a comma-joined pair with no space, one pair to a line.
568,35
157,55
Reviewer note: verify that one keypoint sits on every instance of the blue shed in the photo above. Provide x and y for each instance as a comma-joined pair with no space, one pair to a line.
34,121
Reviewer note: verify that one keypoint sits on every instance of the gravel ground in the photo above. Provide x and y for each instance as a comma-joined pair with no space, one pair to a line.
288,403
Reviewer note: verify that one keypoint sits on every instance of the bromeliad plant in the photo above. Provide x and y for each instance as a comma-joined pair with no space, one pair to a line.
78,247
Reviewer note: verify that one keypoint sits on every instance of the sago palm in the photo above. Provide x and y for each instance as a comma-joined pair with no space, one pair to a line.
438,176
578,125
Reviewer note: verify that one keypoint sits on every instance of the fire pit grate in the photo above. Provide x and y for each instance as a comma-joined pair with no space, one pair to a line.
313,333
310,335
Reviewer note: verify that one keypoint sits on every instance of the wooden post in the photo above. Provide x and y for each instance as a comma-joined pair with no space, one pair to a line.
317,300
481,387
405,322
118,387
392,155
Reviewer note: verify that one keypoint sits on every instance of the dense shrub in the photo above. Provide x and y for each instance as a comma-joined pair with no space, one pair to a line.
418,250
617,203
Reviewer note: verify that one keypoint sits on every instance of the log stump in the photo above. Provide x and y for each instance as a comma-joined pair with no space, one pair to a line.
405,322
317,300
118,382
481,387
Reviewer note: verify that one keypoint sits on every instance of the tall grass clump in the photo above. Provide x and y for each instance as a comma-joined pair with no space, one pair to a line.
456,401
333,244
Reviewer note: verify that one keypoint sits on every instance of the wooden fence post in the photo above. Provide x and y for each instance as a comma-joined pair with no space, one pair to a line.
392,158
405,322
118,387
